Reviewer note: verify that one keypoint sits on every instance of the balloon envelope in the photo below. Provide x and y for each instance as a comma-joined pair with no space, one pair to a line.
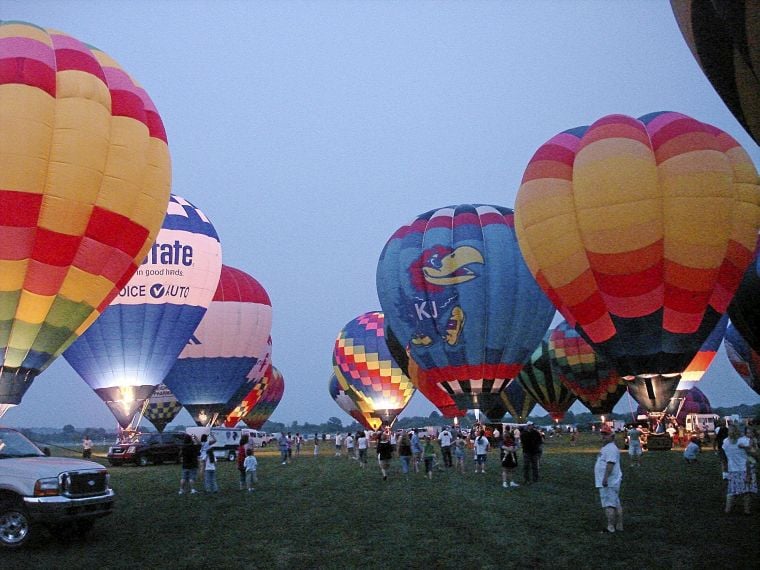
339,392
639,231
229,341
743,358
253,388
84,182
376,383
457,292
162,407
688,401
129,350
724,38
269,401
541,383
744,309
585,373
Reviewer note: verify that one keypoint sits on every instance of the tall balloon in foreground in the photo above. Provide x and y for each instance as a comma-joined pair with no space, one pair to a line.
724,37
457,292
743,358
540,382
229,341
270,399
84,182
339,392
129,350
639,231
162,407
376,382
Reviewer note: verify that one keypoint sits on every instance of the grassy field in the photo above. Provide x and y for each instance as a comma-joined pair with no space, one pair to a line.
326,512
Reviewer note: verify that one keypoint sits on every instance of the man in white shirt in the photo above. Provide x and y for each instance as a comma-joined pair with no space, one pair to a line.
350,446
608,476
444,438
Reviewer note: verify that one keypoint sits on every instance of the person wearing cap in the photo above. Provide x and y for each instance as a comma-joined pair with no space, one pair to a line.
608,476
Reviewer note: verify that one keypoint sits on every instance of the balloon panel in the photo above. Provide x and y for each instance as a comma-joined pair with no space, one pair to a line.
457,292
723,36
517,402
254,386
82,200
684,402
162,407
339,393
702,360
639,230
743,358
540,383
269,401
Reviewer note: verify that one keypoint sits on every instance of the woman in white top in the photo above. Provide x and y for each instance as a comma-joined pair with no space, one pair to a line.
742,479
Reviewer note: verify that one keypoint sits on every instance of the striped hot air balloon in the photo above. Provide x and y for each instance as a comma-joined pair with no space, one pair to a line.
84,182
269,401
639,231
339,391
162,407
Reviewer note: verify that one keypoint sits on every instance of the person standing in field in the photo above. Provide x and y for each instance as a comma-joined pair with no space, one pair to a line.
459,446
241,453
634,445
350,446
508,461
691,451
86,447
416,450
282,445
316,445
251,465
189,453
742,478
338,445
444,438
362,444
481,451
531,446
608,476
720,436
384,454
405,452
299,442
209,472
429,456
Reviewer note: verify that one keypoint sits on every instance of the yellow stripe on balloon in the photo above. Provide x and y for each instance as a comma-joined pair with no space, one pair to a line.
25,30
33,308
82,287
12,274
64,215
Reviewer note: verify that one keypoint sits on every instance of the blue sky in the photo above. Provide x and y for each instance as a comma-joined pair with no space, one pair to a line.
309,131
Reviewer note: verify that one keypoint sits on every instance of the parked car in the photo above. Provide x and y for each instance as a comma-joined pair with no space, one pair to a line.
66,495
147,448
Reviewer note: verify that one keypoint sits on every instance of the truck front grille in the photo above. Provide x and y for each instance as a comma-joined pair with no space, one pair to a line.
85,483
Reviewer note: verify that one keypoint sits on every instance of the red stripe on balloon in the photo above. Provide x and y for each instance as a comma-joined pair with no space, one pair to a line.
469,372
19,209
75,60
116,230
16,243
128,104
44,279
55,248
25,71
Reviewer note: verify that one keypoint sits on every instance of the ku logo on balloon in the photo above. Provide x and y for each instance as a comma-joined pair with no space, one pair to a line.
433,274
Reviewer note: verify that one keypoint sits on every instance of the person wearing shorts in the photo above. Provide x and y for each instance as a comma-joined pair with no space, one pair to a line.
608,476
481,452
634,445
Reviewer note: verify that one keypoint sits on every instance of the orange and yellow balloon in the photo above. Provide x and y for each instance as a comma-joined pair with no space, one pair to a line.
85,176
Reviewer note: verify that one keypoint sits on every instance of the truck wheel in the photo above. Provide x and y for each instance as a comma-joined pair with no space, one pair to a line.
231,456
142,461
15,525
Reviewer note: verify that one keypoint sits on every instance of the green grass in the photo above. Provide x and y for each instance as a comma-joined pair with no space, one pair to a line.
326,512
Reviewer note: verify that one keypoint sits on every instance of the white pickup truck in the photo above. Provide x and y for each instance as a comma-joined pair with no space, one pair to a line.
64,494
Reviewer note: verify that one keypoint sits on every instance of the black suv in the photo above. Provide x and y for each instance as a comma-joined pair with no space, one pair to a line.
147,448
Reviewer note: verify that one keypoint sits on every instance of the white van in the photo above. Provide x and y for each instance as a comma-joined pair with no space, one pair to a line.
227,439
258,438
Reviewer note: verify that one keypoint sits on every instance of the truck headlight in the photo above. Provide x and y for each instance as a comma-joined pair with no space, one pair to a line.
131,449
46,487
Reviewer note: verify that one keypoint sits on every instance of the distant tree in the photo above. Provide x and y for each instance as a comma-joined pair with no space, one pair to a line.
334,424
434,415
69,429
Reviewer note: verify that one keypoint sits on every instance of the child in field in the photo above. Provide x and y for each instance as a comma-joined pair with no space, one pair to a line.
428,452
250,464
691,451
209,472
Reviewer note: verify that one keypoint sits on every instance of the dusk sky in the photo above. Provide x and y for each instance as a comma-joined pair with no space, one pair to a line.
309,131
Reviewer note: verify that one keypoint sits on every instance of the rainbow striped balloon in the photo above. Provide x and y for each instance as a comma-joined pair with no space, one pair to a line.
84,186
269,401
639,231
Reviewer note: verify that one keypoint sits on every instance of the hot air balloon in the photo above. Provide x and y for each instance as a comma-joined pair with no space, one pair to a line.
84,182
457,292
339,393
269,401
254,386
513,400
439,398
585,373
654,391
724,38
539,381
229,341
129,350
162,407
743,358
744,309
688,399
639,231
377,384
